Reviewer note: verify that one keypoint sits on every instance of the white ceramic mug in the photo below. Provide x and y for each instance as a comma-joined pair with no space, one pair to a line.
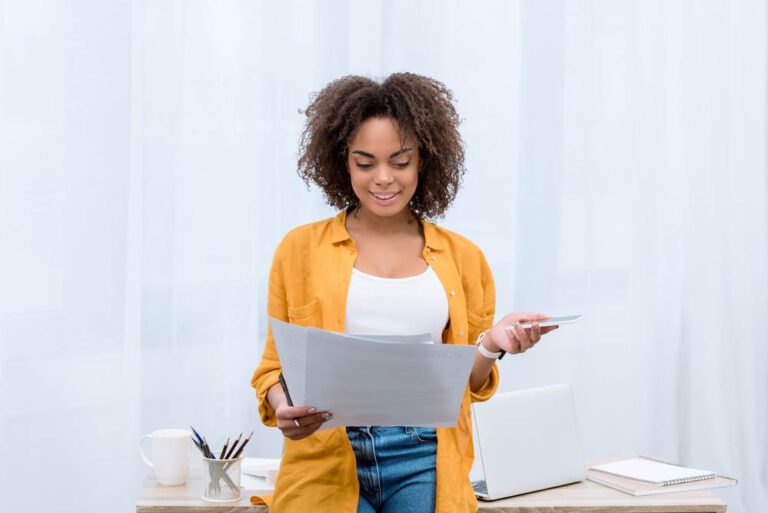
170,455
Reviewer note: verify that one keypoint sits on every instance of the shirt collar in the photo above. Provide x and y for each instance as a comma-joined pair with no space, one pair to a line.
339,231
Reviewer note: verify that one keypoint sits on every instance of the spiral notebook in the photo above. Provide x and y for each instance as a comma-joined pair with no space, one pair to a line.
645,476
654,471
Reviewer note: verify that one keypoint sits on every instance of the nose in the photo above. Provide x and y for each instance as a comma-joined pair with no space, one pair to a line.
383,176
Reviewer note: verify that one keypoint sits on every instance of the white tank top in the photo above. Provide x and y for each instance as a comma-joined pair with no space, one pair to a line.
396,306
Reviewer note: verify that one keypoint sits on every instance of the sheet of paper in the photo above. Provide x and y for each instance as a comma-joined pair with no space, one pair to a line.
259,473
365,382
291,344
424,338
249,482
260,467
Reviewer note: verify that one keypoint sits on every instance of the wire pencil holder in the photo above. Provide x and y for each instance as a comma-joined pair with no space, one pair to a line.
221,480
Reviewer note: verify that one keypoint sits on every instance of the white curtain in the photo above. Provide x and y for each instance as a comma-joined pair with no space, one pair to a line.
616,156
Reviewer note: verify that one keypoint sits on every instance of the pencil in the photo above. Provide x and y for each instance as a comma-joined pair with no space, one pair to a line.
208,449
240,450
197,435
224,450
233,448
284,386
199,447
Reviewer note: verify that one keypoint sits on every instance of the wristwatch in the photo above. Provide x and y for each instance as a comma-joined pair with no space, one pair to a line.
483,351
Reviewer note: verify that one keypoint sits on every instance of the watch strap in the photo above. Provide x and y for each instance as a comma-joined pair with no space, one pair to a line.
483,351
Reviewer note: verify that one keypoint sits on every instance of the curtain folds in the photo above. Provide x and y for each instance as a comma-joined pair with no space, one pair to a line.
616,167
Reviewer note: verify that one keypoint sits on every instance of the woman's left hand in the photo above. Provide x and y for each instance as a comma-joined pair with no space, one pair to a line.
507,334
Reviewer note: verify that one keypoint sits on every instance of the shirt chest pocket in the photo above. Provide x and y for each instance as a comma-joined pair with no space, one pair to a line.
307,314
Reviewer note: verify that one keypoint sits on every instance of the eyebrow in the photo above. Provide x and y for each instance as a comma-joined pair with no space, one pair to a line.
372,156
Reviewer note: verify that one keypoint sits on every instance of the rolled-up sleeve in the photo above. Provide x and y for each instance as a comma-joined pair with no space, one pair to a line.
484,321
268,370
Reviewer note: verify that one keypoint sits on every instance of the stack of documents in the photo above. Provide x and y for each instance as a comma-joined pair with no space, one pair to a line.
259,473
374,380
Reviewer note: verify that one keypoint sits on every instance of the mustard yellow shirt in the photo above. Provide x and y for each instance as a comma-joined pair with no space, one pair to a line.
308,285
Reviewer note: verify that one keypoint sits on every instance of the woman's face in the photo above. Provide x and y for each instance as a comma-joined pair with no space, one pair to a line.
384,174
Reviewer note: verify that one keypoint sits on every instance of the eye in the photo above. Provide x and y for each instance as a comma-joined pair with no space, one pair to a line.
402,165
364,166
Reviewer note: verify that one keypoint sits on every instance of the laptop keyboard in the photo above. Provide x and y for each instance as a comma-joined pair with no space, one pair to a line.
480,487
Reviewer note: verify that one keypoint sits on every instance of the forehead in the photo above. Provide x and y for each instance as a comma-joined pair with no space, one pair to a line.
379,135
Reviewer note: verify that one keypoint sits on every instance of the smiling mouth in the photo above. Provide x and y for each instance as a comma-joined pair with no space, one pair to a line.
385,196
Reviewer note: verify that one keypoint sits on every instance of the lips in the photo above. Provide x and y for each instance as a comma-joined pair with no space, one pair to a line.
384,196
385,199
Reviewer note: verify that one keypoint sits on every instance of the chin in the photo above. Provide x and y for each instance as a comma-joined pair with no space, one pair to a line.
390,211
385,212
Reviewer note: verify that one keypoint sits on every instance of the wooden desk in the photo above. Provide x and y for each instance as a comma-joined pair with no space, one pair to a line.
594,498
576,498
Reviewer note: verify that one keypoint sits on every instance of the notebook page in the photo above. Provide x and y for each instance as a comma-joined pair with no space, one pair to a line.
652,471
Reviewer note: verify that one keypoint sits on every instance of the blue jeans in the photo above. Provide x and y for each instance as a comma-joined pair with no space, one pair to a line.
395,468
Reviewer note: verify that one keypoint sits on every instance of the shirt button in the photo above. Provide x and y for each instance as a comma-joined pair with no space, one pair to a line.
452,293
461,333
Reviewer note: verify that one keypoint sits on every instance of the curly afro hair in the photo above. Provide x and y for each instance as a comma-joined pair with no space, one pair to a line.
419,105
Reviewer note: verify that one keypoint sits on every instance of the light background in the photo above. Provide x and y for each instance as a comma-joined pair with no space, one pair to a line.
616,157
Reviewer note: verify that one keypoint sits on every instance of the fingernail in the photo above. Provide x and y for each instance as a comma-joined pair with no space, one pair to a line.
328,416
312,410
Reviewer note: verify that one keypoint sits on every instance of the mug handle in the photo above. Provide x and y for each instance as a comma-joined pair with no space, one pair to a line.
141,451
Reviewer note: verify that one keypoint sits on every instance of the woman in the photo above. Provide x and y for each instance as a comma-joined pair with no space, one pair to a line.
389,156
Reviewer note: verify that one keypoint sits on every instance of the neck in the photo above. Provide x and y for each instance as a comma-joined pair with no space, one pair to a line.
366,220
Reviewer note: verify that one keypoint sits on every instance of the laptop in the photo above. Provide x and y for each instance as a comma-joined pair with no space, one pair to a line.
527,441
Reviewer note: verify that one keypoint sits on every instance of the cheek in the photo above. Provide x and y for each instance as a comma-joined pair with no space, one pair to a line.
413,181
358,181
354,177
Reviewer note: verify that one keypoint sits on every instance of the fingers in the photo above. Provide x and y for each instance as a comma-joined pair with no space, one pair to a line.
291,412
518,337
524,338
297,433
535,333
301,421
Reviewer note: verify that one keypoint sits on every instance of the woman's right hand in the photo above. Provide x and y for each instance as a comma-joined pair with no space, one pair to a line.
297,422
